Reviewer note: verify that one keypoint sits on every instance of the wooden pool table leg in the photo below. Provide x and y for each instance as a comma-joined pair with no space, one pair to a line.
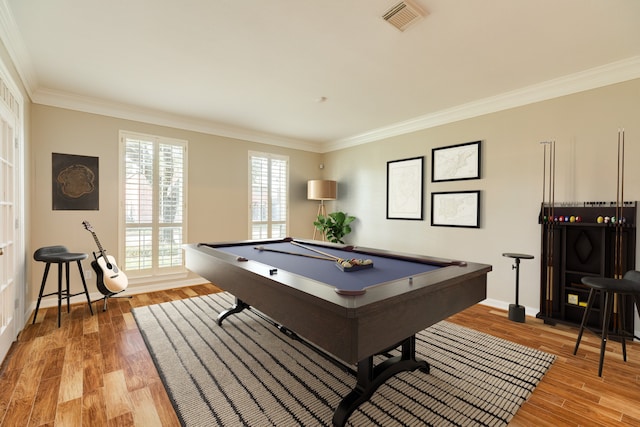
237,308
370,377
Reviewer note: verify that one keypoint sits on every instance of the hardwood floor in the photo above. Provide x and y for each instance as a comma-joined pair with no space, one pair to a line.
96,371
570,393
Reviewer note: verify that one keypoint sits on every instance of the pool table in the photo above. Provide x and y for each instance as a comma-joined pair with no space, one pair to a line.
351,314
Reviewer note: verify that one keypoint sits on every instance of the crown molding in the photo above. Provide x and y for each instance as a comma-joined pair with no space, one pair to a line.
615,72
593,78
127,112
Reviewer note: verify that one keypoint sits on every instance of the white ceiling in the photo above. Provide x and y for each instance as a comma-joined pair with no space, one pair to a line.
256,69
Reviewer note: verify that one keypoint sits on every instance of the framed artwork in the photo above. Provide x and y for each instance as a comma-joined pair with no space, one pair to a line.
456,209
456,162
74,182
405,180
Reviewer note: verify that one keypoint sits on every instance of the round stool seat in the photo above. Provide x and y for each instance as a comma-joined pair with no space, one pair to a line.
57,254
517,256
621,286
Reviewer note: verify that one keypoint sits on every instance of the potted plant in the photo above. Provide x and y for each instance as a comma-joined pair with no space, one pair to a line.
334,226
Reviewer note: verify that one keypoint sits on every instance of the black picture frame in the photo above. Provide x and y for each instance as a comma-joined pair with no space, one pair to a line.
405,187
456,162
455,209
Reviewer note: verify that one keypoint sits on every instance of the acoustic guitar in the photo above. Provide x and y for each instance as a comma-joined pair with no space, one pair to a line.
110,279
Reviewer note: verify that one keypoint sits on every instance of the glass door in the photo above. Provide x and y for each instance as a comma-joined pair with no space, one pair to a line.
7,236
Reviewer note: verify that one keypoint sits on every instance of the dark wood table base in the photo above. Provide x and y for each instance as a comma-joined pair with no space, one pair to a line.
237,308
369,376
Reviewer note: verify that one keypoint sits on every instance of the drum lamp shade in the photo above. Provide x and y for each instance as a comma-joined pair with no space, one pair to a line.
320,189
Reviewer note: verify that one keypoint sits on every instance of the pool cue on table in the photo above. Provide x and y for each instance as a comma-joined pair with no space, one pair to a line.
333,257
262,248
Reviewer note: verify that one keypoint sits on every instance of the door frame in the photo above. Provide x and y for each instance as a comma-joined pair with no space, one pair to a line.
13,112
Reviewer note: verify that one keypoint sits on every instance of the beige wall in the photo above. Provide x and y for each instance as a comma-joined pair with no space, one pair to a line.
585,128
217,184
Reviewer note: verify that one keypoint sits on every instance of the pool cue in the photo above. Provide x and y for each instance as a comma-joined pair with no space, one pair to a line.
546,209
621,203
549,226
552,192
618,262
545,242
333,257
262,248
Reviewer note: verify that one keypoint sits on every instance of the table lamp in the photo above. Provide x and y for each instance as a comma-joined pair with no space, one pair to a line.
320,189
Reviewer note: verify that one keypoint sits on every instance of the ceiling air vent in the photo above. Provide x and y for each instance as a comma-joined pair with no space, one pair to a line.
403,14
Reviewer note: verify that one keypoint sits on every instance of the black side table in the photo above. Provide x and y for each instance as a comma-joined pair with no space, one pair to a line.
516,311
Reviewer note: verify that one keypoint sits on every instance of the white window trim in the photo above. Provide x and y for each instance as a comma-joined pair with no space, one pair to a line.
165,274
250,196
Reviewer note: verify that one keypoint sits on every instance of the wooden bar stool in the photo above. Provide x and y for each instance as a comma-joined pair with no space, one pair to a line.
61,256
628,285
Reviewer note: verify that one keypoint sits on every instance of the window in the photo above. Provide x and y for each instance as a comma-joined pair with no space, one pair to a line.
153,185
269,199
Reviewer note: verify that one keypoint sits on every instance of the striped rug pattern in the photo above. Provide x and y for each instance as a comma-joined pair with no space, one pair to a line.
248,373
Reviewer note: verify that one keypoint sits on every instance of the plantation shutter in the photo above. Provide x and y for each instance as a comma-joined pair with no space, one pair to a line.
139,205
269,195
154,204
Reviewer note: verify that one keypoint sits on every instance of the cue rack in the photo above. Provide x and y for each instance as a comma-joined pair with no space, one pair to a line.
584,239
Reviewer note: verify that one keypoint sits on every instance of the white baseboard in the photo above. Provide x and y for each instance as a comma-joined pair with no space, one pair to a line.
529,311
52,301
533,311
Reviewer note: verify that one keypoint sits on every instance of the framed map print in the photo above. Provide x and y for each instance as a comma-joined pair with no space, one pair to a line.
456,162
404,188
456,209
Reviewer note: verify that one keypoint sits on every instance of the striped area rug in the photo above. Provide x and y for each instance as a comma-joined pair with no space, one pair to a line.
248,373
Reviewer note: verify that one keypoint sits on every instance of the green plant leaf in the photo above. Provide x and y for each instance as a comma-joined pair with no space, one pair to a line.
334,226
